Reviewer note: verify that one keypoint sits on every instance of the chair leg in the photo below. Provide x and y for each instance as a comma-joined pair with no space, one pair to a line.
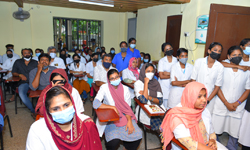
145,137
8,119
16,102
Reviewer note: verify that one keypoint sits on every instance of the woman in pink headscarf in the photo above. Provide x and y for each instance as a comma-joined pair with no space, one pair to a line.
116,96
190,121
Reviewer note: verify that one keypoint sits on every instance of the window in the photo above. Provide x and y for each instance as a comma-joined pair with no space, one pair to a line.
73,33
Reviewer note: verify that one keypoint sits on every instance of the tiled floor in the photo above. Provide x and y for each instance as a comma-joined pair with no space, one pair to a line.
21,122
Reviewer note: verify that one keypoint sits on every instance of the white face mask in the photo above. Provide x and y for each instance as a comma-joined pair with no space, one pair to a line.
150,75
52,55
27,59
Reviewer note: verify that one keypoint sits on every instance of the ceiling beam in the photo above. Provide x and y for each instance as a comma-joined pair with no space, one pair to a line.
19,3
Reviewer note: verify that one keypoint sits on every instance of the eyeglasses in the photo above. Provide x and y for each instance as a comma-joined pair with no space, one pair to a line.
113,79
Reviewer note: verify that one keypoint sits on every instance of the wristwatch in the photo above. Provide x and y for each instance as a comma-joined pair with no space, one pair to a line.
152,99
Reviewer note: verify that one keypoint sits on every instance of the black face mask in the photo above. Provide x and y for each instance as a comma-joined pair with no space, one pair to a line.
236,60
169,53
77,61
95,59
9,55
214,55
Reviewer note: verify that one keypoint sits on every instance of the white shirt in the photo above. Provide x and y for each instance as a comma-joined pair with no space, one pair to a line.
81,67
39,136
5,57
90,68
139,86
105,95
100,74
69,60
210,77
83,60
7,65
35,58
234,85
99,62
163,66
77,100
176,91
58,63
1,59
242,63
87,57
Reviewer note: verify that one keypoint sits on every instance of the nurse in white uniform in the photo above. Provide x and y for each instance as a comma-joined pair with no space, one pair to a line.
230,103
164,67
209,72
180,76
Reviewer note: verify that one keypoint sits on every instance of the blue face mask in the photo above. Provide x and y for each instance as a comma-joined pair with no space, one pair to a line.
45,67
38,54
145,60
64,116
106,65
123,49
132,45
112,51
141,58
79,54
116,82
67,52
247,51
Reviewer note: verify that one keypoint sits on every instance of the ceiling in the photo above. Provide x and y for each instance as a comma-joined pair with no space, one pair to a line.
119,5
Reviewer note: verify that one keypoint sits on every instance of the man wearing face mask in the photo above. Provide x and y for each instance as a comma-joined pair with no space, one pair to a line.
10,46
134,52
21,68
180,76
37,52
112,52
209,72
121,60
100,71
39,76
55,61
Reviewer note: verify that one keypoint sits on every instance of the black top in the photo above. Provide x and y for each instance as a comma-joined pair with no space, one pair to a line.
247,107
20,68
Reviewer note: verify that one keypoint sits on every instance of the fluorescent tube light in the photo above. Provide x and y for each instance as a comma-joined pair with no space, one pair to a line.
92,3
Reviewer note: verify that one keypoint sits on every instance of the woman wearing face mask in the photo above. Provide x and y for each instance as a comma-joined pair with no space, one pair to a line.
62,126
121,60
100,60
131,75
209,72
231,100
117,96
148,91
245,62
90,73
190,122
132,51
59,77
180,76
112,52
164,68
98,51
80,83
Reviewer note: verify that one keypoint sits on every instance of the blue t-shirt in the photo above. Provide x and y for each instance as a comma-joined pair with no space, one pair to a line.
120,63
135,54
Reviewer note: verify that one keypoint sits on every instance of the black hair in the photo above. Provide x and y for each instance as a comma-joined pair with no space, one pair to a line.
149,57
93,55
77,50
244,41
76,55
65,48
164,45
131,39
9,45
44,55
112,71
102,53
41,50
181,50
149,64
9,50
233,48
103,47
112,48
38,50
55,74
106,55
142,53
123,42
212,45
27,49
53,92
89,50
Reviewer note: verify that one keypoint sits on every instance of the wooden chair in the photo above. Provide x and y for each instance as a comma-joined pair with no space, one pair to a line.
179,144
17,94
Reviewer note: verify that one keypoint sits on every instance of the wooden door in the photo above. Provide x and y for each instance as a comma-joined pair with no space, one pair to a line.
174,31
227,25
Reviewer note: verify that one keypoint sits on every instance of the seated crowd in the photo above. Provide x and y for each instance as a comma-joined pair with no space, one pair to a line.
201,101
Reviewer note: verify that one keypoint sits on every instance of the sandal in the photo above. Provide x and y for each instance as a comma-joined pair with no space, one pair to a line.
8,101
91,98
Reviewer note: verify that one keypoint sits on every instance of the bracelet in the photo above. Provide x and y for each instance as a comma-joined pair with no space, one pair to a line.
238,101
152,99
19,75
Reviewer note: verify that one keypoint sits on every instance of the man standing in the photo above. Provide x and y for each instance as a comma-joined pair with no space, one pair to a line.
55,61
21,68
39,77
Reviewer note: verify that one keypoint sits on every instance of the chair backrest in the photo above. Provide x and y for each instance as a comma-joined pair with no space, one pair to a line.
2,106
